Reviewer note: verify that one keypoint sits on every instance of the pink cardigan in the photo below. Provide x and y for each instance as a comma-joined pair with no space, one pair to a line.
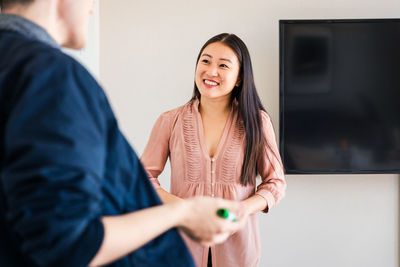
178,135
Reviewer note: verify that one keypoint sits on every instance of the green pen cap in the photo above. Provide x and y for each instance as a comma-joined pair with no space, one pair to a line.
226,214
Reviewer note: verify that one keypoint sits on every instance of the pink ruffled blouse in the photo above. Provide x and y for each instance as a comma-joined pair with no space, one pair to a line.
178,135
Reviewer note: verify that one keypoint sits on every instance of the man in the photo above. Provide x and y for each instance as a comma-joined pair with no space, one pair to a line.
72,191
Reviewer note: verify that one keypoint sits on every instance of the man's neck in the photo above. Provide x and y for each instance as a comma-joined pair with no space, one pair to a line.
44,14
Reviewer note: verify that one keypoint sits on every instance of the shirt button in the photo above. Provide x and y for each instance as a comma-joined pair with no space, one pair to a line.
212,171
212,195
212,184
212,159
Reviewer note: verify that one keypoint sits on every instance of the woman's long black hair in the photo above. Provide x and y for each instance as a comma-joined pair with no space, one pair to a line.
249,105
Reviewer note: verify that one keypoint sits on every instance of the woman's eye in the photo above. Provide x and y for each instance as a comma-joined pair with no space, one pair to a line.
223,66
205,61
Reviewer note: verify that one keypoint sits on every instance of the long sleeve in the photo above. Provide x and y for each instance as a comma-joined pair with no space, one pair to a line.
270,167
156,152
52,168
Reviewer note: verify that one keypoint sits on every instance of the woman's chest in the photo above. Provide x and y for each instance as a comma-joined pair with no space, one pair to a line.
190,152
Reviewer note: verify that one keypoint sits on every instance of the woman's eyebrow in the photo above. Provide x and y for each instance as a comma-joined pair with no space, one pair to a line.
206,55
224,59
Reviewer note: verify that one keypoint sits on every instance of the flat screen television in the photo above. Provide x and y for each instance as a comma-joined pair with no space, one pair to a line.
340,96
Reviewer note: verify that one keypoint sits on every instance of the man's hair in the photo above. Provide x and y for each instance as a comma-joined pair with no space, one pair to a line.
7,3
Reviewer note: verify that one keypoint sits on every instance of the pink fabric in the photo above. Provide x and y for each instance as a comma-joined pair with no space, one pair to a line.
178,134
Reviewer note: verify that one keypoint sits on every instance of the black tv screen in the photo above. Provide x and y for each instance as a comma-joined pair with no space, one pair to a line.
340,96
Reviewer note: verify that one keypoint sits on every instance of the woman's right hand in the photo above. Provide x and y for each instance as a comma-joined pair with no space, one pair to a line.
201,222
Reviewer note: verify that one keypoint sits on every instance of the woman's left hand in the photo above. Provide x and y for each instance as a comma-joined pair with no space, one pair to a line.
243,214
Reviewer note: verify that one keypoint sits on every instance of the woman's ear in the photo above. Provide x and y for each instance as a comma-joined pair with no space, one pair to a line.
238,82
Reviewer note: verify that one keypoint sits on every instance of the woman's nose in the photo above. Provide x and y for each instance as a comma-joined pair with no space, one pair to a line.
212,71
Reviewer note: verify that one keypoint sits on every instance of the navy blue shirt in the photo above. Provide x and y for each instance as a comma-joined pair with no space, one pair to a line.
64,164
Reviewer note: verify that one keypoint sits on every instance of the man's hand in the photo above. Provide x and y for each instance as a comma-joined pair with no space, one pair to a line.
201,222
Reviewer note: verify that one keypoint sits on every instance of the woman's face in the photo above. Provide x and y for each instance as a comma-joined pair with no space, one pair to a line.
217,71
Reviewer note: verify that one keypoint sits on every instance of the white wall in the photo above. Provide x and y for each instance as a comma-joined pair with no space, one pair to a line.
147,59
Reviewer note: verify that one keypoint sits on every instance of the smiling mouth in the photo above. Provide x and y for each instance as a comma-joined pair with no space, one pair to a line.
210,83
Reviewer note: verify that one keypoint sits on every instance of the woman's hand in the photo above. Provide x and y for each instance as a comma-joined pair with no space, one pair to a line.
250,206
242,214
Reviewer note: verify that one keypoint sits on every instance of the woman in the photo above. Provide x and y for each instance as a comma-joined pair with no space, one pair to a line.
217,144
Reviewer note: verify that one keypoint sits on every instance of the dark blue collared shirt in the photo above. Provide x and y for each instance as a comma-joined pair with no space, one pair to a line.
63,161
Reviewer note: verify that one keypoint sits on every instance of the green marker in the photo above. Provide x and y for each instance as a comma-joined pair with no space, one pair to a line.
226,214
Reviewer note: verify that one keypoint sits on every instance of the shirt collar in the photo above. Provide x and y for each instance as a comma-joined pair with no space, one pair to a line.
27,28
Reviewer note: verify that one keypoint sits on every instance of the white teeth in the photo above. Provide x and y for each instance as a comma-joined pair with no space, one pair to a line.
210,82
